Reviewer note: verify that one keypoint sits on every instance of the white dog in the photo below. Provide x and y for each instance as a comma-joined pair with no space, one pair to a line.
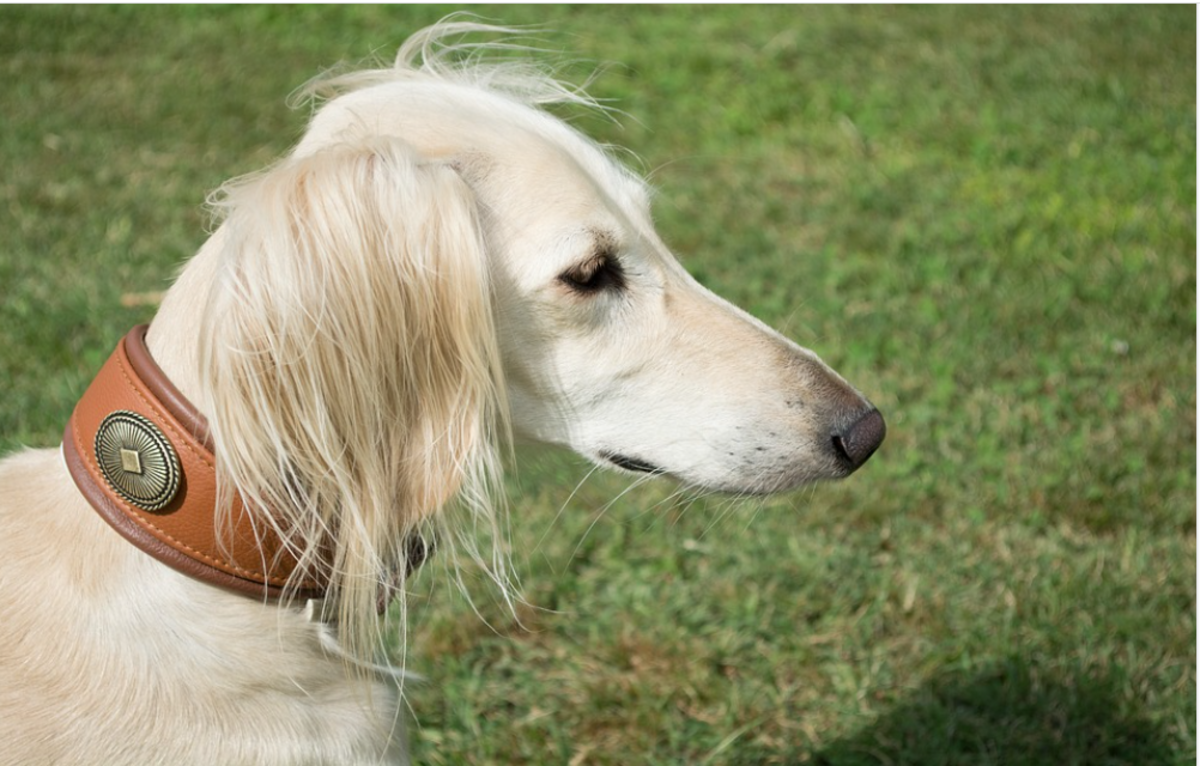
437,266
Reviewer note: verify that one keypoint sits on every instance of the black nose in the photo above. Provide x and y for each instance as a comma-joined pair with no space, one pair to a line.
860,439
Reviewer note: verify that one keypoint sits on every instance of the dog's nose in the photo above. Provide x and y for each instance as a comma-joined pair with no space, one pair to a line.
860,439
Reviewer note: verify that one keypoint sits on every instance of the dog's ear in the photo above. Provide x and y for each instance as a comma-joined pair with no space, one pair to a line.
349,356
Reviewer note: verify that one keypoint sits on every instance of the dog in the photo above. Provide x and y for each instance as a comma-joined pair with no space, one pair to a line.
439,269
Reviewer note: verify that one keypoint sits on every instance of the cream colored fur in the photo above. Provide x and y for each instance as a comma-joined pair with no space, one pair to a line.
373,316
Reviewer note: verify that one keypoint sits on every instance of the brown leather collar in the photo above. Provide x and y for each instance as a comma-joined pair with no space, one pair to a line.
141,455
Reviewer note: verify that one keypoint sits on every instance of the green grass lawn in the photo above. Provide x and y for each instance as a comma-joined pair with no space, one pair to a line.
984,217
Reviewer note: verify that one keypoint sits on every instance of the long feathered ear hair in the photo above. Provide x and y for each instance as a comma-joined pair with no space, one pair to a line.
349,362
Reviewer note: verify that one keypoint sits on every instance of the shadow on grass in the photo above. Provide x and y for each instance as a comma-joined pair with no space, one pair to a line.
1011,714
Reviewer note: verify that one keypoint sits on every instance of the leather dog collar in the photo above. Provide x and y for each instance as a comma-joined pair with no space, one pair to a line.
142,456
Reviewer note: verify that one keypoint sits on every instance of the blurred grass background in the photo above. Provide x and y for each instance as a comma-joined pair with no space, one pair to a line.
984,217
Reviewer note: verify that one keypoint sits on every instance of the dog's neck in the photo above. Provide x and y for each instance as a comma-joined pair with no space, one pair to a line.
165,368
172,338
182,534
141,454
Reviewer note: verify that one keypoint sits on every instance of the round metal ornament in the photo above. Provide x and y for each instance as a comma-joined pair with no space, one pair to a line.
137,461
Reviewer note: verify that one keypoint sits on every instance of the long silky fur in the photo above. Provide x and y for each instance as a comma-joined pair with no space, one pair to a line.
349,356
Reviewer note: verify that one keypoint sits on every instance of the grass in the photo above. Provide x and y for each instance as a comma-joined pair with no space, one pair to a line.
984,217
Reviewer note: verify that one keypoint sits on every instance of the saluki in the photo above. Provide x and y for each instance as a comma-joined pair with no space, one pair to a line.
438,269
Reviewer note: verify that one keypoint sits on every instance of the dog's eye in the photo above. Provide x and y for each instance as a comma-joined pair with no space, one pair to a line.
602,272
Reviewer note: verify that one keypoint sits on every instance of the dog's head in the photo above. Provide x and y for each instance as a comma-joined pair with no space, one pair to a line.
612,349
438,258
609,347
